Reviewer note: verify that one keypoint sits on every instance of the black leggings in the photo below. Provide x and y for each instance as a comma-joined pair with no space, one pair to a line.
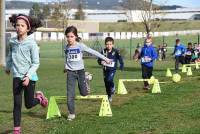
146,73
29,99
179,59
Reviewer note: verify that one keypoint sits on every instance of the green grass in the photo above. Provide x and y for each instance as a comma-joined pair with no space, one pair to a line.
135,27
175,110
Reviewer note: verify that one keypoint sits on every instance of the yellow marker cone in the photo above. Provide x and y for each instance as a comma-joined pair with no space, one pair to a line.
156,87
121,88
151,80
53,109
168,73
184,69
197,65
105,109
189,72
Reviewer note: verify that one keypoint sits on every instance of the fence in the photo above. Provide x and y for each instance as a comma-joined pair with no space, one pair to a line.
56,36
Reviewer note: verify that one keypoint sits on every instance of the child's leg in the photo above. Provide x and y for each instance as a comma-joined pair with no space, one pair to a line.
71,83
176,64
29,92
17,94
106,75
82,83
145,75
149,72
110,78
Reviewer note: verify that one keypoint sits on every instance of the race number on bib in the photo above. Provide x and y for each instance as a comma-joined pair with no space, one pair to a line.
74,55
178,52
112,64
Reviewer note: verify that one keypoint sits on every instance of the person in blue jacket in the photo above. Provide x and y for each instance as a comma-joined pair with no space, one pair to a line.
110,69
179,53
148,55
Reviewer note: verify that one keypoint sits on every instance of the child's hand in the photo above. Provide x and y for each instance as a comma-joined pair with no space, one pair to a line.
25,81
65,71
103,62
7,72
108,61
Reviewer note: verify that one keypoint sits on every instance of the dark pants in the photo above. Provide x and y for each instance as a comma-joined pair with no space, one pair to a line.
29,99
179,59
108,81
72,76
188,59
146,74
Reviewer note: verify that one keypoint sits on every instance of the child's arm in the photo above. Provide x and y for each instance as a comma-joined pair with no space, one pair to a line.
121,61
174,50
35,60
154,54
94,52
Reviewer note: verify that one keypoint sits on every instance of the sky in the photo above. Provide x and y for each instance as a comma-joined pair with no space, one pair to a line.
184,3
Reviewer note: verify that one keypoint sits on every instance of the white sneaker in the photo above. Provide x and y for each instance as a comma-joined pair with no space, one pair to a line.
110,98
71,117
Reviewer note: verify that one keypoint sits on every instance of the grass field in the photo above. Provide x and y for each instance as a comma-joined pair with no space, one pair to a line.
175,110
135,27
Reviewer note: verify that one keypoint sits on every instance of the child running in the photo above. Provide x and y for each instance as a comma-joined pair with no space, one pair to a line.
23,62
74,66
110,69
148,55
189,53
179,52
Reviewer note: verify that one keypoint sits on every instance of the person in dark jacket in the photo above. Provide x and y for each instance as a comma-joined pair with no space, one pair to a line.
148,56
189,53
110,69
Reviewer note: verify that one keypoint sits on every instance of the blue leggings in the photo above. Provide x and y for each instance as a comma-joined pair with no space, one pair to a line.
108,80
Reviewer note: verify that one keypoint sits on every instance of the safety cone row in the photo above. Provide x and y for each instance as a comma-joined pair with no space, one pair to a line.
168,73
184,69
189,71
156,87
105,109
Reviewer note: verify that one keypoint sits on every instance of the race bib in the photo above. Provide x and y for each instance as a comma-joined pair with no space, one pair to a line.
74,55
112,64
144,60
178,52
188,53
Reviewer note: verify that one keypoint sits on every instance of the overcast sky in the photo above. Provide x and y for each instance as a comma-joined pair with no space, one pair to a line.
185,3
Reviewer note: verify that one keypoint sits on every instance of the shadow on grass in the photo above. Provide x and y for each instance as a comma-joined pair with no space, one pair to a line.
6,111
131,69
7,132
35,115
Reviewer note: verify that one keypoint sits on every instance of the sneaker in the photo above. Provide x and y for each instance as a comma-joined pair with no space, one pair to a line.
110,98
146,88
113,90
42,98
71,117
17,130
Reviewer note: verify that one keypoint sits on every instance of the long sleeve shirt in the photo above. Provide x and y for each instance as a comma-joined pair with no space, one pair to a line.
74,56
23,58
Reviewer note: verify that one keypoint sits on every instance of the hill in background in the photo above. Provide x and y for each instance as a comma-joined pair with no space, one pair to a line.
88,4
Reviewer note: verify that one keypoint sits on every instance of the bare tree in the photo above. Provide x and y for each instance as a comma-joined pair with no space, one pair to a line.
61,14
147,13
